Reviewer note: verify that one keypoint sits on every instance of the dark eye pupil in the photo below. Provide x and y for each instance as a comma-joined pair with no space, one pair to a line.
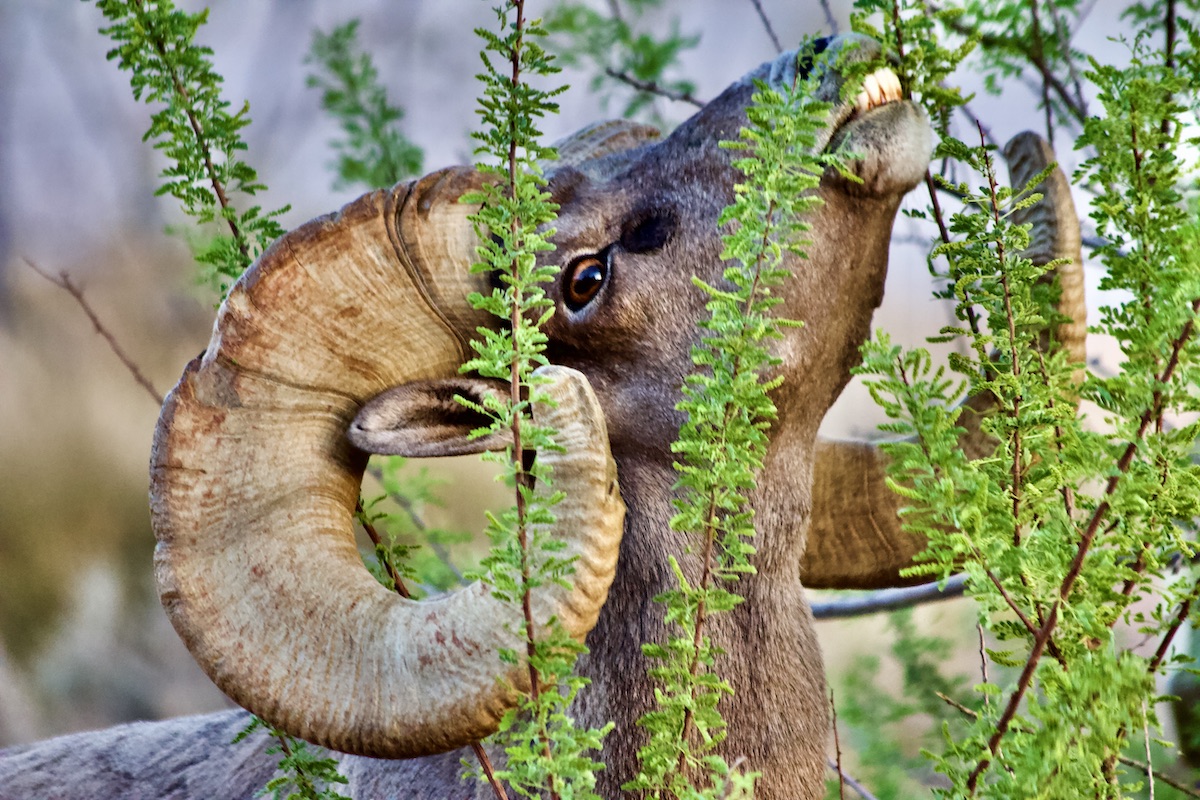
586,280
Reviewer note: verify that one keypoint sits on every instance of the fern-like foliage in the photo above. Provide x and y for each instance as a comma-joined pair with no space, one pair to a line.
723,441
372,151
195,129
1064,532
547,755
302,773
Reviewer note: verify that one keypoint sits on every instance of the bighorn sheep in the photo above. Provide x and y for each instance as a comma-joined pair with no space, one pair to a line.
254,484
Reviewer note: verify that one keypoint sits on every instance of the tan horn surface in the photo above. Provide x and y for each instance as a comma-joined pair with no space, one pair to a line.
254,486
603,139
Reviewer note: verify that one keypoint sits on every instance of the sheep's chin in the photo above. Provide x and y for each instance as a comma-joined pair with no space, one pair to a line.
887,148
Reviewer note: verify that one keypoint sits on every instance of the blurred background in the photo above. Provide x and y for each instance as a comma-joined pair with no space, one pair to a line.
83,642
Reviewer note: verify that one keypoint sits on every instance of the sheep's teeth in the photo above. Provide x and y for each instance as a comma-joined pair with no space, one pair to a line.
879,88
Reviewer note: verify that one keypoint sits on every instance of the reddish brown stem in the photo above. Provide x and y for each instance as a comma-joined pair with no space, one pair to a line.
377,540
202,143
837,747
1164,646
401,589
64,282
1012,347
522,479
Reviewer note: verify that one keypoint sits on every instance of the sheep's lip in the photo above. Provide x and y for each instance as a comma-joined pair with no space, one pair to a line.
880,89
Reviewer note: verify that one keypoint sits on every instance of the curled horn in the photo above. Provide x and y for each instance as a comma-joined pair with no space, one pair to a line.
254,487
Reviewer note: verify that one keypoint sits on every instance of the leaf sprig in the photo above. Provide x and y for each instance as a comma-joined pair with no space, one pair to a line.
723,441
194,129
372,152
546,752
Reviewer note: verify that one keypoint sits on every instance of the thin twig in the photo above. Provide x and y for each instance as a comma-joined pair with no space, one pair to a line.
489,771
1039,49
418,522
1146,740
1164,647
767,24
830,19
983,662
734,767
64,282
889,599
837,748
863,792
377,540
652,87
957,706
304,782
1146,770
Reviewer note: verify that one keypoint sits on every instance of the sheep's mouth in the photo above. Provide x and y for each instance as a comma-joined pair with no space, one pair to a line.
880,88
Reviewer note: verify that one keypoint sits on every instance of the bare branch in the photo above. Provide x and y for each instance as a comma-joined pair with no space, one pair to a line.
863,792
767,24
830,19
652,87
889,599
837,748
1146,770
64,282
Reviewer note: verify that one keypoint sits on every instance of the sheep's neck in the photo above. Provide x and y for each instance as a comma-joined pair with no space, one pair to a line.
776,717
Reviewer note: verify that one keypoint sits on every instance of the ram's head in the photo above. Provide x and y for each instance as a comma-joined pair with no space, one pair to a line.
254,481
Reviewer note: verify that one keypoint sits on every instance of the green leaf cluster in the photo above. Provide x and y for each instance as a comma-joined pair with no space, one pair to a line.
302,774
614,44
1065,530
194,128
545,751
372,152
419,553
913,47
722,443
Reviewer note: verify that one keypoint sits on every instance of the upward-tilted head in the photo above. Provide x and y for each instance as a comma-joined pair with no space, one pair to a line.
254,482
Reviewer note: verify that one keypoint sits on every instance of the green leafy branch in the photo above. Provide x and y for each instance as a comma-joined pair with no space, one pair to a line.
194,129
619,55
545,751
1053,566
302,774
722,444
372,151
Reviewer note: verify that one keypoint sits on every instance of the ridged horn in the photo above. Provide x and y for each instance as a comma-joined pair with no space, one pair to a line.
602,139
254,487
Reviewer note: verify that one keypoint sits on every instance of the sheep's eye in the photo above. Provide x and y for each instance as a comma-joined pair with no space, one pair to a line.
584,279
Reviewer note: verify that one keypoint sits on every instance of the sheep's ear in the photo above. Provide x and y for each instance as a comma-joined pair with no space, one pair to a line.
427,418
